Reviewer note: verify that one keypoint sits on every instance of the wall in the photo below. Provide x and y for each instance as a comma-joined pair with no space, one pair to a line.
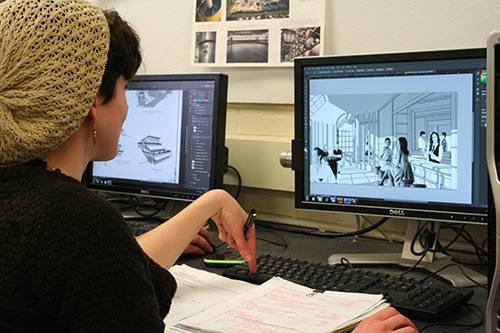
353,26
260,113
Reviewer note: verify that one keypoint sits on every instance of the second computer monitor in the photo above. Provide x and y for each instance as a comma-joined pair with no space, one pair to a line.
172,142
400,134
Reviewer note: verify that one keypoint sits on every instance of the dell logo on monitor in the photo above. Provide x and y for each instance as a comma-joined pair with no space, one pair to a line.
397,212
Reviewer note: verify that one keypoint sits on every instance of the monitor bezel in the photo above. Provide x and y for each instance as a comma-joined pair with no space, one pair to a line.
219,153
401,210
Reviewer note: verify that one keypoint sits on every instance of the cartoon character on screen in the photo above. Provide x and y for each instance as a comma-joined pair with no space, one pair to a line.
435,152
320,171
402,173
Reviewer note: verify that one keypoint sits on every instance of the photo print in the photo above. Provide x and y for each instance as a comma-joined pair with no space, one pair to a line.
247,46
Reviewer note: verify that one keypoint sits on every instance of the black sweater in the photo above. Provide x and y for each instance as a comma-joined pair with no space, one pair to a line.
68,261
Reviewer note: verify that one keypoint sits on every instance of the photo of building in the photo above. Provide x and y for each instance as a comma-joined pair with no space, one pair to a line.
239,10
300,42
248,46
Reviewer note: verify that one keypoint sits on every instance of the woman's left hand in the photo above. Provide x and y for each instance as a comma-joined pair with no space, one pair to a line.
200,244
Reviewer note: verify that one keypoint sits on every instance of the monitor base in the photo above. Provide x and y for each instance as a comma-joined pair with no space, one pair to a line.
451,274
431,263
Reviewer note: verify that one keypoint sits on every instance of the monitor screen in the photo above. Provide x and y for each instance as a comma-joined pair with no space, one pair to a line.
172,142
400,134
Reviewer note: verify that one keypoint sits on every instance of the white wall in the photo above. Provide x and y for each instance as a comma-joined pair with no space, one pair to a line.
257,128
353,26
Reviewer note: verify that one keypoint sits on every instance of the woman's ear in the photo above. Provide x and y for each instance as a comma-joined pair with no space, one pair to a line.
93,110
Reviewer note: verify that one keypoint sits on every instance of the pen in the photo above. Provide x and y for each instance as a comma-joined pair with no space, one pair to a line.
250,220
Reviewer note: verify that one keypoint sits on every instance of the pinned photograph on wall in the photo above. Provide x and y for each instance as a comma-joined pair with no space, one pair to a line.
248,46
204,51
208,10
300,42
256,33
242,10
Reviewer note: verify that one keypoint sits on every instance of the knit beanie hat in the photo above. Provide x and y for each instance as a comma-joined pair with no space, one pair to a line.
52,58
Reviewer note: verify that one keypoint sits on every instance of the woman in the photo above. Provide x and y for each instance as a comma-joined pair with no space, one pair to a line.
386,156
320,171
68,261
403,174
435,152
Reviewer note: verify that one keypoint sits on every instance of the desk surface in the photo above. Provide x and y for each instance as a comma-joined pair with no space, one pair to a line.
318,249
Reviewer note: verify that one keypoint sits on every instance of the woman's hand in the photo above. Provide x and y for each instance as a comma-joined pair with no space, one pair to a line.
200,243
387,320
165,243
230,220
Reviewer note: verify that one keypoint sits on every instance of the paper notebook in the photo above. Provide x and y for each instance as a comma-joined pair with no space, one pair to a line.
282,306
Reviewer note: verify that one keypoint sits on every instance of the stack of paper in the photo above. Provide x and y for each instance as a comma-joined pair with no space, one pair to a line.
280,306
198,290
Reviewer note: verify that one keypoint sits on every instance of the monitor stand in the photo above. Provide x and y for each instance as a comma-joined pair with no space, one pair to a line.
432,262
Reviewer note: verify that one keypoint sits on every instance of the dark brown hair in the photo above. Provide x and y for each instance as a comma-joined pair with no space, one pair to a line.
404,145
124,56
321,153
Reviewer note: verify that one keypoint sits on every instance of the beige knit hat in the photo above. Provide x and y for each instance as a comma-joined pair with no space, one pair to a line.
52,58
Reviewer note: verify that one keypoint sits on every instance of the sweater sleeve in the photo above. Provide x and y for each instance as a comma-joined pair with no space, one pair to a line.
88,271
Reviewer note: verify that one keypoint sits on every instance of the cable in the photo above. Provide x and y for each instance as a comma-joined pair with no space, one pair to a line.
157,207
314,232
239,180
346,262
447,246
427,235
416,264
483,244
469,239
459,267
460,231
479,315
283,243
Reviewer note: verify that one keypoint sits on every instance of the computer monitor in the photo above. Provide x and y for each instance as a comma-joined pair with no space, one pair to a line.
172,141
393,135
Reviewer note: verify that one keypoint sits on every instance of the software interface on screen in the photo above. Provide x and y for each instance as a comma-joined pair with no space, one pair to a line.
167,144
398,134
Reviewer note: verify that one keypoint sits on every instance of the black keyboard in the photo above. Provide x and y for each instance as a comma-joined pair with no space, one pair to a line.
416,300
140,227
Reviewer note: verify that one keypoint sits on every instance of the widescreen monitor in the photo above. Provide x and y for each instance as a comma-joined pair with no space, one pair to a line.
172,141
394,135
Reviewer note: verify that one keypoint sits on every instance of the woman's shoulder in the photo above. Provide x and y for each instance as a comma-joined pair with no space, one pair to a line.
51,199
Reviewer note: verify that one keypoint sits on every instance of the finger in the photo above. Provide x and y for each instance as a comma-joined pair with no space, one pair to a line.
386,313
400,322
222,233
243,245
394,319
202,243
193,249
231,242
205,234
250,237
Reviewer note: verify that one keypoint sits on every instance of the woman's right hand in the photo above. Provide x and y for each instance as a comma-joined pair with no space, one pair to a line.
230,219
384,321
